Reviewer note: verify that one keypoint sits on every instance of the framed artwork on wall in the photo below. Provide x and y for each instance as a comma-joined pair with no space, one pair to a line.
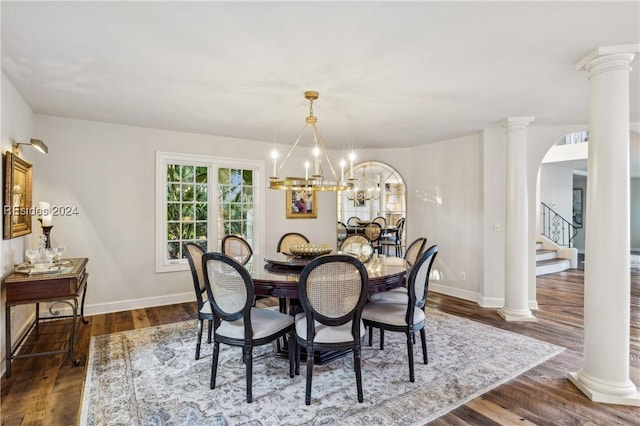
17,196
359,199
301,204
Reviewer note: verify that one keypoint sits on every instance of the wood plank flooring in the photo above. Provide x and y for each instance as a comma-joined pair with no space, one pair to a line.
48,390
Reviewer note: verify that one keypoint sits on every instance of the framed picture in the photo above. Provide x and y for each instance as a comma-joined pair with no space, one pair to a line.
17,196
359,200
301,204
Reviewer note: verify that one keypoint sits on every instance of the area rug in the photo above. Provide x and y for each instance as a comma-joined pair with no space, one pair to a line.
149,377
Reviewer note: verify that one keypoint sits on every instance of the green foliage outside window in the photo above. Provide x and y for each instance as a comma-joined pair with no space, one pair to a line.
187,207
235,202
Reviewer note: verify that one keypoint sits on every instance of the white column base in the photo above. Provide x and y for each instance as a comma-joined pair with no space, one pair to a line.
524,315
597,391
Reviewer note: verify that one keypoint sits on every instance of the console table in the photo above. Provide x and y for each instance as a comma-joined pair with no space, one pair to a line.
61,284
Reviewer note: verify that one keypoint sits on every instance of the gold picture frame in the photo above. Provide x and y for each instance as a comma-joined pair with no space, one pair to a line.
17,196
301,204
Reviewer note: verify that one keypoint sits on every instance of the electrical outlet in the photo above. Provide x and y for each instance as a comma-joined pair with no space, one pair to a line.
463,276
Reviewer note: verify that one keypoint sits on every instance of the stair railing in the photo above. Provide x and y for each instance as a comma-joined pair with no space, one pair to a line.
557,228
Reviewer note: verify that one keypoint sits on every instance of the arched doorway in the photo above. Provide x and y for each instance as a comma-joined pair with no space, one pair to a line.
379,191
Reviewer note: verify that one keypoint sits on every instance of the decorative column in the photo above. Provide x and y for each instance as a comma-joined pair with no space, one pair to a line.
604,376
516,307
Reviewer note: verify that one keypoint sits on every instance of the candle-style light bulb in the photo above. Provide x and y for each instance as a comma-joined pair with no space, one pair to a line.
274,156
342,164
306,170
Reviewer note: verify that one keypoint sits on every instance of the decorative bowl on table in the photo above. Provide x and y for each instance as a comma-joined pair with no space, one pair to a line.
310,249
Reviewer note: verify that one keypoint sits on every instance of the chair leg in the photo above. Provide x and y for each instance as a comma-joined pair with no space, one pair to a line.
423,337
210,331
357,366
370,335
248,360
307,395
412,377
381,338
214,364
297,357
292,353
198,339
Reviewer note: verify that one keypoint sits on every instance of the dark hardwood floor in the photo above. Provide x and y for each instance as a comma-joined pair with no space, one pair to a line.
48,390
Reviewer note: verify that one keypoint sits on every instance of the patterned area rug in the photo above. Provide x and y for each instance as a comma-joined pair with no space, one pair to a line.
149,377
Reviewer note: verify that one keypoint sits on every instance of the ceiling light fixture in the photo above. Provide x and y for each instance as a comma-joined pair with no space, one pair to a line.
36,143
313,180
368,186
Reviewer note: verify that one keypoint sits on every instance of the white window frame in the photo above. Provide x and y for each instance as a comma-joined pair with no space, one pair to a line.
212,163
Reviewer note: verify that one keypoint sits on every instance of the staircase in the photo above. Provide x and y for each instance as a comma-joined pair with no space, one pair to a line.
548,262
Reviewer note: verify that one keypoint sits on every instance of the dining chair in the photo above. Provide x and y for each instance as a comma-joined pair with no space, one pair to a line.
237,322
358,245
194,255
400,294
380,221
406,317
414,250
394,239
237,247
373,231
353,221
332,291
289,239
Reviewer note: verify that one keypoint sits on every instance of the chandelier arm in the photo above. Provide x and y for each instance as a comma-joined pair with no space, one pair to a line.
320,142
292,148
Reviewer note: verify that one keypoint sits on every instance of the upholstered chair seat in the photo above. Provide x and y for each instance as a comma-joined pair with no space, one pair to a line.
325,333
264,322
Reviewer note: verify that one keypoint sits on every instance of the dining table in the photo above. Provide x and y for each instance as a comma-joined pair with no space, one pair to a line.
359,229
277,274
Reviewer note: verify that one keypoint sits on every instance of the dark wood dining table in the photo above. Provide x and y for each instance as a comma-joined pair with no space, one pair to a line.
359,229
277,274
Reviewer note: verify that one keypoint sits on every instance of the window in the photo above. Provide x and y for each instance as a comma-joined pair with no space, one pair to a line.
235,203
190,190
187,205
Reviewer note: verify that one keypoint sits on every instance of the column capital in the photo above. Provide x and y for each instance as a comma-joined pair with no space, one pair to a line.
512,123
623,52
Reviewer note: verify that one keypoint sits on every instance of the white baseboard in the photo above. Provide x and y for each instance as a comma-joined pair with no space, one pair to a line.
147,302
454,292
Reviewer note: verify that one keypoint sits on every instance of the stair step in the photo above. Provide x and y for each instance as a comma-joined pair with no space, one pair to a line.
538,245
542,254
551,266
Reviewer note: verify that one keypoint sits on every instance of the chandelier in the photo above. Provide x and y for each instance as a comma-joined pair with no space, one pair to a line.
313,180
367,187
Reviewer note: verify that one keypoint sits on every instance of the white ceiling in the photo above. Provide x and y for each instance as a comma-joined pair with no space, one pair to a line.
390,74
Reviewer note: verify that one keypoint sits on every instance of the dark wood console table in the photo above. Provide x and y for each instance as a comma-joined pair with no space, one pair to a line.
62,285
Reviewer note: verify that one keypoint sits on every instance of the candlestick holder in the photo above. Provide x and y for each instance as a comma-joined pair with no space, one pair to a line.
46,231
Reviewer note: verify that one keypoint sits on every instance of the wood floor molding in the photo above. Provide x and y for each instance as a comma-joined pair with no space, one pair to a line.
48,390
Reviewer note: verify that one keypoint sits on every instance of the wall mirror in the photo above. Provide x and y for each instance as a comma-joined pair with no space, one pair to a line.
379,191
